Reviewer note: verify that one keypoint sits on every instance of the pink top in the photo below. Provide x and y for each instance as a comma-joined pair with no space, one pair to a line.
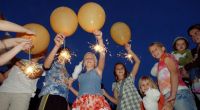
164,75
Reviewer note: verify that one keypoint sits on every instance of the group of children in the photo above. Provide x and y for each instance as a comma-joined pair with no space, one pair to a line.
169,93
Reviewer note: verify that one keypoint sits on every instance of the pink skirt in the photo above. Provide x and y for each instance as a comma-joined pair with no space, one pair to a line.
91,102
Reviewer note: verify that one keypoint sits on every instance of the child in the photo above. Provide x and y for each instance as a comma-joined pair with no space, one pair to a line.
17,89
126,95
169,79
90,94
152,100
181,52
54,92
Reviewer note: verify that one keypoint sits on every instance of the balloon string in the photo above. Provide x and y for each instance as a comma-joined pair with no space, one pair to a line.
29,55
64,44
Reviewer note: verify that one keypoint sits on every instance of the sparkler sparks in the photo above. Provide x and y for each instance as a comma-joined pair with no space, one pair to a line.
65,55
32,70
125,55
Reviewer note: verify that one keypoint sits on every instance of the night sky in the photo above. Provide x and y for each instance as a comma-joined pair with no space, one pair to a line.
149,20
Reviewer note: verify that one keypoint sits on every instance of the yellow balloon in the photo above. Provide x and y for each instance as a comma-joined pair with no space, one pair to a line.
64,20
40,40
120,33
91,17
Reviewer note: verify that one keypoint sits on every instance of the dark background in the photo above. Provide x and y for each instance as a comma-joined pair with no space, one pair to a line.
149,20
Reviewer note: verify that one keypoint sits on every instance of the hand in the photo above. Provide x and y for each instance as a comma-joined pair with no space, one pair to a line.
128,47
30,32
26,45
103,91
167,106
70,82
59,40
98,34
170,99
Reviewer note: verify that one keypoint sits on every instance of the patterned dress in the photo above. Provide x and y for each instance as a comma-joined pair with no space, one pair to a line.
90,94
129,98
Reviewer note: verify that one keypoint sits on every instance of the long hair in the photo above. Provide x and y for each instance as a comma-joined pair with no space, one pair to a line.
115,74
146,78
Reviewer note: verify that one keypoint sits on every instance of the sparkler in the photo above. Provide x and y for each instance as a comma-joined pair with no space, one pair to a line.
31,69
125,55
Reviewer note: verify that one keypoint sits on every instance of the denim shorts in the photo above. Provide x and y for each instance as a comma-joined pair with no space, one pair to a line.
184,100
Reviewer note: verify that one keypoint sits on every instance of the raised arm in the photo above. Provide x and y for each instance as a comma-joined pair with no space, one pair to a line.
5,57
134,58
12,27
101,63
59,39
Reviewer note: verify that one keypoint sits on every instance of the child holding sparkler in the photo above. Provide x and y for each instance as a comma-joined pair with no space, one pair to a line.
126,95
90,94
54,92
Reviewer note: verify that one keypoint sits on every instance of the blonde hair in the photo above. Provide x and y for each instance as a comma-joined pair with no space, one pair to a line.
94,56
146,78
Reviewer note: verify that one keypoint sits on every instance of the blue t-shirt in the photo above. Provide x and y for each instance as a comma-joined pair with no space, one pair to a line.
55,79
89,83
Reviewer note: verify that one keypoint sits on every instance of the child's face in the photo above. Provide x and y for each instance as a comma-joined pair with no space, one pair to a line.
145,85
195,34
120,72
89,60
156,51
180,45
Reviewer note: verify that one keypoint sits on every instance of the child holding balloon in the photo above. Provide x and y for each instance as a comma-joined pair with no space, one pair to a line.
169,80
54,92
90,94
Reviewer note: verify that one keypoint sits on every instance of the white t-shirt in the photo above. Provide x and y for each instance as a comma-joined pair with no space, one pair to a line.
18,82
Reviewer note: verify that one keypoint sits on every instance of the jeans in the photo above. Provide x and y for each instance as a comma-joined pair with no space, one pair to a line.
184,100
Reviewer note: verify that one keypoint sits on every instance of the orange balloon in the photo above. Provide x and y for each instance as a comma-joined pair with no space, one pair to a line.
91,17
40,40
120,33
64,20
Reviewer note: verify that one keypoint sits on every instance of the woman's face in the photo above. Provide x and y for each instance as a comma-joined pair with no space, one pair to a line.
145,85
180,45
89,60
156,51
120,72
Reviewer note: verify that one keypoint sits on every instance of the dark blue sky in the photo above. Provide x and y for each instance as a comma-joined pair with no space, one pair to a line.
149,20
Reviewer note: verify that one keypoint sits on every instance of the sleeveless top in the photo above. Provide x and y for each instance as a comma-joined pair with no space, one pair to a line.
164,75
89,83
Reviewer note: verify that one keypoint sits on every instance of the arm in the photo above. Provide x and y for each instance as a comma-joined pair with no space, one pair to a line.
69,86
173,78
12,27
74,91
135,58
4,58
12,42
101,63
58,42
112,99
